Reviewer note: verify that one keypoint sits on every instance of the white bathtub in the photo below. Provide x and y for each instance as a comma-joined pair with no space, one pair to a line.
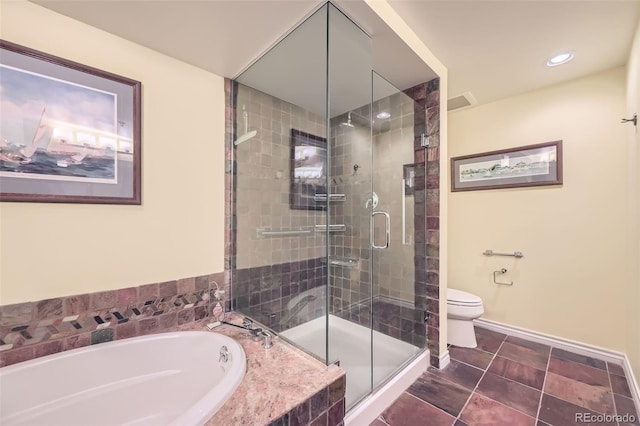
162,379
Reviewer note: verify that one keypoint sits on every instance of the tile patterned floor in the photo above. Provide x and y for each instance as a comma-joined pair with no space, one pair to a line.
508,381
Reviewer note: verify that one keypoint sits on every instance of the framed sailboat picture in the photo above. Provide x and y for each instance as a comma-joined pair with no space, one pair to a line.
69,133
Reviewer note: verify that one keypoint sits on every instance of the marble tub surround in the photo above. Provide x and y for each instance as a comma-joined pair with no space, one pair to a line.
34,329
512,381
283,386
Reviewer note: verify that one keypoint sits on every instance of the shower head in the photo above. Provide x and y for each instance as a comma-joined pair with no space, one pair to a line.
348,122
247,134
245,137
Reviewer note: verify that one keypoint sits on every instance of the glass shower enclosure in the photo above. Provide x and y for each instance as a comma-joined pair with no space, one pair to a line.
323,203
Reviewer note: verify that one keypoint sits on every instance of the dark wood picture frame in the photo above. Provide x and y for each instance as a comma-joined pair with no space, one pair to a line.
82,144
531,165
308,171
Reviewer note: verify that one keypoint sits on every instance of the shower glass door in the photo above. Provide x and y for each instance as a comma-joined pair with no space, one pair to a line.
398,330
349,248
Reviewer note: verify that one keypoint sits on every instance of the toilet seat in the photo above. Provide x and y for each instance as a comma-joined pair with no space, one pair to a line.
462,298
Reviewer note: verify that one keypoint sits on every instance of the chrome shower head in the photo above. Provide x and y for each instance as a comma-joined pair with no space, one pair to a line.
348,122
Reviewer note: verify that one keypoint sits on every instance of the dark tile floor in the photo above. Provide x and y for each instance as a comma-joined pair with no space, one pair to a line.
512,382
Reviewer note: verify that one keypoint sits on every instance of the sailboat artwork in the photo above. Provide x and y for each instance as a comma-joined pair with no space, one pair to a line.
56,130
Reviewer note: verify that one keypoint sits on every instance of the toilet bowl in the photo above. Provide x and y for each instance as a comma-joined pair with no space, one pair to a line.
462,309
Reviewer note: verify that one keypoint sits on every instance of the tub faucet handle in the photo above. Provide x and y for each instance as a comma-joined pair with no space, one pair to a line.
247,323
267,340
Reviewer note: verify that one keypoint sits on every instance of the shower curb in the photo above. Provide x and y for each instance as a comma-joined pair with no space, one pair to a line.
373,406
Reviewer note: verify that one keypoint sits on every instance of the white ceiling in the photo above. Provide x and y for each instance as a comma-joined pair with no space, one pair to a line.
497,49
494,49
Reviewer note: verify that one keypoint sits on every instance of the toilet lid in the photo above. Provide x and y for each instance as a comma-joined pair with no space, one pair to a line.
462,298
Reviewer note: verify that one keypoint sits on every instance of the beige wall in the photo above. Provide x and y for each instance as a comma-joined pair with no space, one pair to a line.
50,250
633,158
572,281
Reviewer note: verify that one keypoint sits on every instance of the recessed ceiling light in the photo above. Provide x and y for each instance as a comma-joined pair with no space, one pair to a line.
383,115
560,59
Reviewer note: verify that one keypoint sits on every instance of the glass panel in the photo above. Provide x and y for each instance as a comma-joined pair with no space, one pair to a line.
398,329
350,65
319,178
281,162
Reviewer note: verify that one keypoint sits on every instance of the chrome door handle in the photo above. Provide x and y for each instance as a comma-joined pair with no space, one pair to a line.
404,209
387,230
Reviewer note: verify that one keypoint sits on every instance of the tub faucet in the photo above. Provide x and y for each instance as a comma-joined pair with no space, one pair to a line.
247,323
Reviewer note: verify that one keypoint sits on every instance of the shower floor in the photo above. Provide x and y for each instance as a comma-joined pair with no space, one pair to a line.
350,344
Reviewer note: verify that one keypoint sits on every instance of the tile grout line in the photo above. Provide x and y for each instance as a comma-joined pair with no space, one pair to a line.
481,377
544,382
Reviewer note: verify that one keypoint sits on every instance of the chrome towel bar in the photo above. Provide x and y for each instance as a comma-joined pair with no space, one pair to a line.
517,254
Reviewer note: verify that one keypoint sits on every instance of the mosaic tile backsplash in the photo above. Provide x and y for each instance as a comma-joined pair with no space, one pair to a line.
34,329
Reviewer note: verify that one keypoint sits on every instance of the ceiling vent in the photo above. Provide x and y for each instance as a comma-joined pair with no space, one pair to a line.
461,101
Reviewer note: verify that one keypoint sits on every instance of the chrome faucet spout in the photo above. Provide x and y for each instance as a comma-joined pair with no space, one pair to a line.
267,340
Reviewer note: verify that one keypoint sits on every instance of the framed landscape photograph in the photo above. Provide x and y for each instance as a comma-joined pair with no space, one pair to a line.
308,171
531,165
69,133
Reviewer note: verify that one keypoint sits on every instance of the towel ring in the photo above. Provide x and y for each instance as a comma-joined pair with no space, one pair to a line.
501,271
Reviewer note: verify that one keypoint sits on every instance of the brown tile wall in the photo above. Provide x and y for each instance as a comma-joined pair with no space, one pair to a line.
427,208
325,408
281,296
34,329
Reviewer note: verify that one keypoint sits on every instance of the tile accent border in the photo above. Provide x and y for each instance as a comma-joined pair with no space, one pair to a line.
34,329
569,345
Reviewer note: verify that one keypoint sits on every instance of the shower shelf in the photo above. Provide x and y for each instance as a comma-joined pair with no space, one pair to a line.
349,262
269,232
332,228
332,197
295,232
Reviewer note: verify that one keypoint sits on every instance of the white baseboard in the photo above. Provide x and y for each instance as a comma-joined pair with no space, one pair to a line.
569,345
368,410
445,359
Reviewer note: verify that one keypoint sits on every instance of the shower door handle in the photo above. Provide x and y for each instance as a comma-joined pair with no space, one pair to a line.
387,223
404,210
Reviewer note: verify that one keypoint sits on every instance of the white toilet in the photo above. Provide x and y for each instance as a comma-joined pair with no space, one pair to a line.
462,309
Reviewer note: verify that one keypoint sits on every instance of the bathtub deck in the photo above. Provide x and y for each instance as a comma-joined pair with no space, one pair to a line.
272,386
